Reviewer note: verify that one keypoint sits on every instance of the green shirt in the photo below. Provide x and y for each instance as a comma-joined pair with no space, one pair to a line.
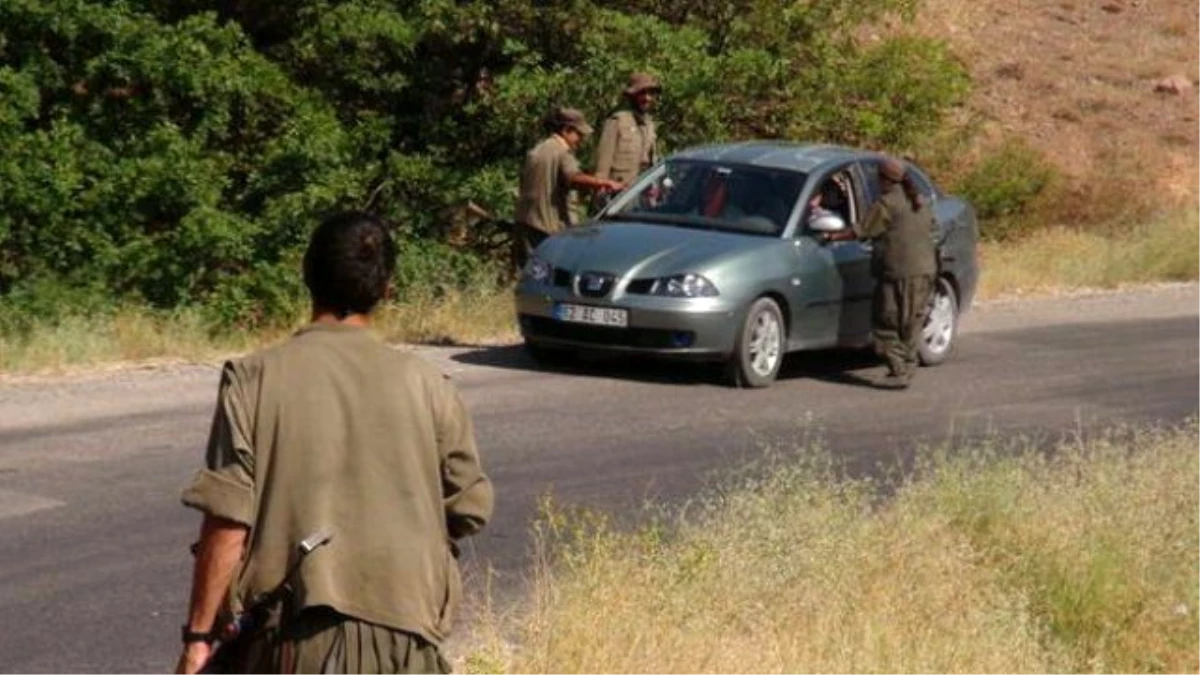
902,239
544,199
334,430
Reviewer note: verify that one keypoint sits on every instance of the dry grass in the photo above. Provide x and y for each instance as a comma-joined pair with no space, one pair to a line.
139,335
464,318
1050,260
129,334
995,559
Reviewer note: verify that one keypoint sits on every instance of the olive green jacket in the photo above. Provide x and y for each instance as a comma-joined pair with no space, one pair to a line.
333,430
628,146
902,239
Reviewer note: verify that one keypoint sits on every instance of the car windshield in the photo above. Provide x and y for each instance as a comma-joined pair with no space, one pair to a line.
707,195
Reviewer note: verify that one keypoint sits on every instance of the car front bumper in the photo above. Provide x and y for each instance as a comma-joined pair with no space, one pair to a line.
685,328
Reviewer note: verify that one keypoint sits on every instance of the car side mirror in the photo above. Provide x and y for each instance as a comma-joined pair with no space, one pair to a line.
827,223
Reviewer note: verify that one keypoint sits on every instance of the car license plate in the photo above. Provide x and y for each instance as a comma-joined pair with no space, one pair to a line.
599,316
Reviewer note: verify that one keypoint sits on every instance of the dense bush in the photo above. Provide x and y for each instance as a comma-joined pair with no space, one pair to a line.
1004,186
178,152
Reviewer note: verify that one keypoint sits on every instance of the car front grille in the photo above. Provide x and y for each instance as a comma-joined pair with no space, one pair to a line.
595,284
644,338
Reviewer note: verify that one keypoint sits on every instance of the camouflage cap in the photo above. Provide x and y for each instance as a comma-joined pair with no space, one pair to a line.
572,118
639,82
891,169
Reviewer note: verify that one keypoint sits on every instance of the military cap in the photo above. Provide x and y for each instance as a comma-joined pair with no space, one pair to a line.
574,119
639,82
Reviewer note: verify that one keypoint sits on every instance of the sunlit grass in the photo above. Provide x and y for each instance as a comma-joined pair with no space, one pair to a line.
995,558
1166,248
459,317
138,334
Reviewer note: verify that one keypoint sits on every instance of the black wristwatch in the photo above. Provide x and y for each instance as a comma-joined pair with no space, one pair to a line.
190,636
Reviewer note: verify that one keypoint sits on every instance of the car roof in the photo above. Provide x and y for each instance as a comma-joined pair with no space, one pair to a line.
773,154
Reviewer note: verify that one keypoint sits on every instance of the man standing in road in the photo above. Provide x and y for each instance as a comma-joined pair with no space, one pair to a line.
333,431
629,139
550,171
904,263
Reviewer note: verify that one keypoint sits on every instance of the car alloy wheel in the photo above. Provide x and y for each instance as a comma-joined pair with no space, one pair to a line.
758,352
765,344
941,325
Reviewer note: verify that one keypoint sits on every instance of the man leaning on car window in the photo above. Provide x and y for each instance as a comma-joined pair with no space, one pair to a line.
904,264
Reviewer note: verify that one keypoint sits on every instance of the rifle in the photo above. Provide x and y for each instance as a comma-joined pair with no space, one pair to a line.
232,637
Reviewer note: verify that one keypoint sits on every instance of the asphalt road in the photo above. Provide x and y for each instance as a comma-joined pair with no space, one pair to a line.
93,542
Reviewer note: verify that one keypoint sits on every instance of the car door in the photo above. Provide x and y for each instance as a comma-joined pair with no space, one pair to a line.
832,290
853,259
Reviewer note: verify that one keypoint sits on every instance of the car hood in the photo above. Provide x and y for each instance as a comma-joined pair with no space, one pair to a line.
645,250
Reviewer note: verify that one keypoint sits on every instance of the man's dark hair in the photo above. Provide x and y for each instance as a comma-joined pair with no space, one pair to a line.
348,264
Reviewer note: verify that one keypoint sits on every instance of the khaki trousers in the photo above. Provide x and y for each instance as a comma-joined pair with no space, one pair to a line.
321,640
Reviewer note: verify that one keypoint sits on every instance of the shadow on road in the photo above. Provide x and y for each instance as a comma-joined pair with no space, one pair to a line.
833,366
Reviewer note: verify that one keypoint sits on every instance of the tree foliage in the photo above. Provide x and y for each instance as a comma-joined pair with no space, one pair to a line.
178,151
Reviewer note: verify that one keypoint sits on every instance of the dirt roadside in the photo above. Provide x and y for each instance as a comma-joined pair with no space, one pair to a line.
117,390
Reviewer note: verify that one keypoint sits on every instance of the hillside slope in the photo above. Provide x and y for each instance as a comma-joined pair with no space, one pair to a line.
1083,80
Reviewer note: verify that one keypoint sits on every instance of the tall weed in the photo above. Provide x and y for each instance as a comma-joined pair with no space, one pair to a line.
994,558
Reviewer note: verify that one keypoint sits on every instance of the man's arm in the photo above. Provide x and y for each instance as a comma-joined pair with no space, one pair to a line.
466,491
224,492
584,180
570,173
219,551
875,223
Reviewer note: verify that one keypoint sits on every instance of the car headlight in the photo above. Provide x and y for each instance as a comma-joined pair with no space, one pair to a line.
537,270
684,286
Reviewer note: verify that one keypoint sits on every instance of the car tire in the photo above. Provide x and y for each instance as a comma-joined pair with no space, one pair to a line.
941,325
547,356
759,348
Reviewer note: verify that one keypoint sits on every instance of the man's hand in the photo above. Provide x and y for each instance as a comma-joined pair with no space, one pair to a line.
613,186
193,658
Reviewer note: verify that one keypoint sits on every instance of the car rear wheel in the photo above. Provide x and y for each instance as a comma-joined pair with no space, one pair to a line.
758,352
941,325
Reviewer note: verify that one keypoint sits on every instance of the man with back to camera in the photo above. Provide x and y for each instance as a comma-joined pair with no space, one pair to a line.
334,431
904,263
551,170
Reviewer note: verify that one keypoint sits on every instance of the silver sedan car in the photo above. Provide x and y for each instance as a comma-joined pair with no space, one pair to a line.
723,253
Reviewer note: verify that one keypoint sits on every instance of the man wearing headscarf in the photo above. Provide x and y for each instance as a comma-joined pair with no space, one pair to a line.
904,262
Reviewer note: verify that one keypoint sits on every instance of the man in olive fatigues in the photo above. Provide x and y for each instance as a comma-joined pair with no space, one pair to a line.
629,139
904,263
547,177
335,431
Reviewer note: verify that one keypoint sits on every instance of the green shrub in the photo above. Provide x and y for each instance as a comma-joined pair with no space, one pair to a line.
178,153
1005,186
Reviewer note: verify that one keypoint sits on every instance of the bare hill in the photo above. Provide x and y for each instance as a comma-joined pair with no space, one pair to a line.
1102,87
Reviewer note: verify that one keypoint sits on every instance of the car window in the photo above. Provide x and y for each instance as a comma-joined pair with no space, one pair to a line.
834,194
924,184
870,172
709,195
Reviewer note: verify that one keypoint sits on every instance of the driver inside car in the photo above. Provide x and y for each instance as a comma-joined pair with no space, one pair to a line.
830,198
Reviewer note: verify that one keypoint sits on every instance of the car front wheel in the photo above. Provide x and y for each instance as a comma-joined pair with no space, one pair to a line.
941,325
758,351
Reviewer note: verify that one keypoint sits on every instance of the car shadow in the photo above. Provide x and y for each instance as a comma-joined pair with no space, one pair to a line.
836,366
